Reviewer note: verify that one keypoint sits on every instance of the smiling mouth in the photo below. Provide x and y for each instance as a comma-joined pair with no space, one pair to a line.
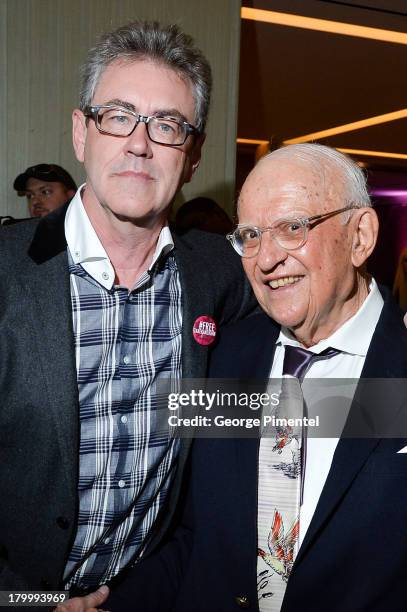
284,281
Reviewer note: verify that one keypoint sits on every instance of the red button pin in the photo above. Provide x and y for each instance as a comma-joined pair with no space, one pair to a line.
204,330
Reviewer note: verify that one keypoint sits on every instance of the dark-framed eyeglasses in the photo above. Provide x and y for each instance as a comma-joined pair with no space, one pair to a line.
118,121
289,234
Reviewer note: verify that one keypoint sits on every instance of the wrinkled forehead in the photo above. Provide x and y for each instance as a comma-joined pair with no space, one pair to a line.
281,188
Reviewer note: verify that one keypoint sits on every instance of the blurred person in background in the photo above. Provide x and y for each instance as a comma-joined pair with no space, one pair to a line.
204,214
46,187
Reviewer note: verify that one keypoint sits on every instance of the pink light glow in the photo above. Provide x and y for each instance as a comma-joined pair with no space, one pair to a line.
392,193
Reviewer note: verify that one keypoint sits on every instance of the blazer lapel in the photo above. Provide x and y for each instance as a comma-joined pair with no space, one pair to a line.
48,287
386,358
195,303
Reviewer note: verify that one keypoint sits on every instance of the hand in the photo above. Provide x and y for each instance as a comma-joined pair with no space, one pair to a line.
89,603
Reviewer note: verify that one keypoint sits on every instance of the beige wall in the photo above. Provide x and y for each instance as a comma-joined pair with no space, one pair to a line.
43,43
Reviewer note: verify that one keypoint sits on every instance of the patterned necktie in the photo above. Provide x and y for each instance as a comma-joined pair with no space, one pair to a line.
282,460
297,362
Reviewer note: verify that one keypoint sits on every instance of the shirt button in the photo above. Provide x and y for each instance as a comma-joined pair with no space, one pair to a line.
105,276
122,484
126,359
62,522
123,419
106,540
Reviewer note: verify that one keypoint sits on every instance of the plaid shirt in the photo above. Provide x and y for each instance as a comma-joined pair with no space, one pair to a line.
124,342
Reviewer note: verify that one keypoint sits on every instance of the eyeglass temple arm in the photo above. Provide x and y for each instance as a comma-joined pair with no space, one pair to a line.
329,214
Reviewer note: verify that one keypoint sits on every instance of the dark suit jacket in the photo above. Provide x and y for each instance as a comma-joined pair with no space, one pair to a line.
354,555
39,415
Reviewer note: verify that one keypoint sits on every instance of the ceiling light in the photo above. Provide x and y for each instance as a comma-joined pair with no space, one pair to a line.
324,25
372,153
252,141
392,193
349,127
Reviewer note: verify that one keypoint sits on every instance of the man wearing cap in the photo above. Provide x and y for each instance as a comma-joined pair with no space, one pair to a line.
46,187
99,309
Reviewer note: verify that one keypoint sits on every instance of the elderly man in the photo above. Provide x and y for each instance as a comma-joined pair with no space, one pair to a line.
99,309
46,187
328,525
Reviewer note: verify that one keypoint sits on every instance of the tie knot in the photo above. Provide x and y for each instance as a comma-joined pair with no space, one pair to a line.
298,360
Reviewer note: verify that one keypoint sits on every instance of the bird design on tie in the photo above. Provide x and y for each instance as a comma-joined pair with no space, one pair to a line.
286,439
281,555
283,437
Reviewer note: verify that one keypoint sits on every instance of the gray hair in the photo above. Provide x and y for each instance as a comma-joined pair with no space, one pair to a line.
323,158
163,44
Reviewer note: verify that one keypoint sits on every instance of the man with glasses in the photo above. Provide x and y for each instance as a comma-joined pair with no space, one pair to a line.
46,187
99,311
296,522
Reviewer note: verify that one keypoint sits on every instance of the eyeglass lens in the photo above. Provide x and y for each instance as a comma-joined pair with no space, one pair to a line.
288,234
162,130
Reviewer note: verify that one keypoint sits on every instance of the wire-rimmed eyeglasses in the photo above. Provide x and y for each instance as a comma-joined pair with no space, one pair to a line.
118,121
289,234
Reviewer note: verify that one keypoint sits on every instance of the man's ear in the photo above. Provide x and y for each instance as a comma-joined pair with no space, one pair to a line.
79,130
194,157
365,230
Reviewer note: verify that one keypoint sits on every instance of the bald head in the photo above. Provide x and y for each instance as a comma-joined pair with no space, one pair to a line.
329,166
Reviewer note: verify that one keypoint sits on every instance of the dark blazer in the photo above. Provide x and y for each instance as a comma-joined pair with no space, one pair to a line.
354,555
39,415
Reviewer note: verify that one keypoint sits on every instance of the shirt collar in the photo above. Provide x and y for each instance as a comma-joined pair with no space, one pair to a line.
355,335
86,249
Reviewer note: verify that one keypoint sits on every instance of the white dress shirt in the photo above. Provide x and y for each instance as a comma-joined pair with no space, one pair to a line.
86,249
352,339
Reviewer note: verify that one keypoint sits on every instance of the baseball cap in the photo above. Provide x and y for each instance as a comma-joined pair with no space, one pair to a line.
44,172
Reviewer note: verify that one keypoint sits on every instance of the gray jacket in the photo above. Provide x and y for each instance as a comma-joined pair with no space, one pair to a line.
39,414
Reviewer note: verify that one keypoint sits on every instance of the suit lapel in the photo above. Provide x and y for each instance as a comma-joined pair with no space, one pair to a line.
195,303
386,358
47,286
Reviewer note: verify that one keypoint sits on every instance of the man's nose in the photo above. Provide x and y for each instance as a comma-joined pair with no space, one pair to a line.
35,208
139,143
36,199
270,253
